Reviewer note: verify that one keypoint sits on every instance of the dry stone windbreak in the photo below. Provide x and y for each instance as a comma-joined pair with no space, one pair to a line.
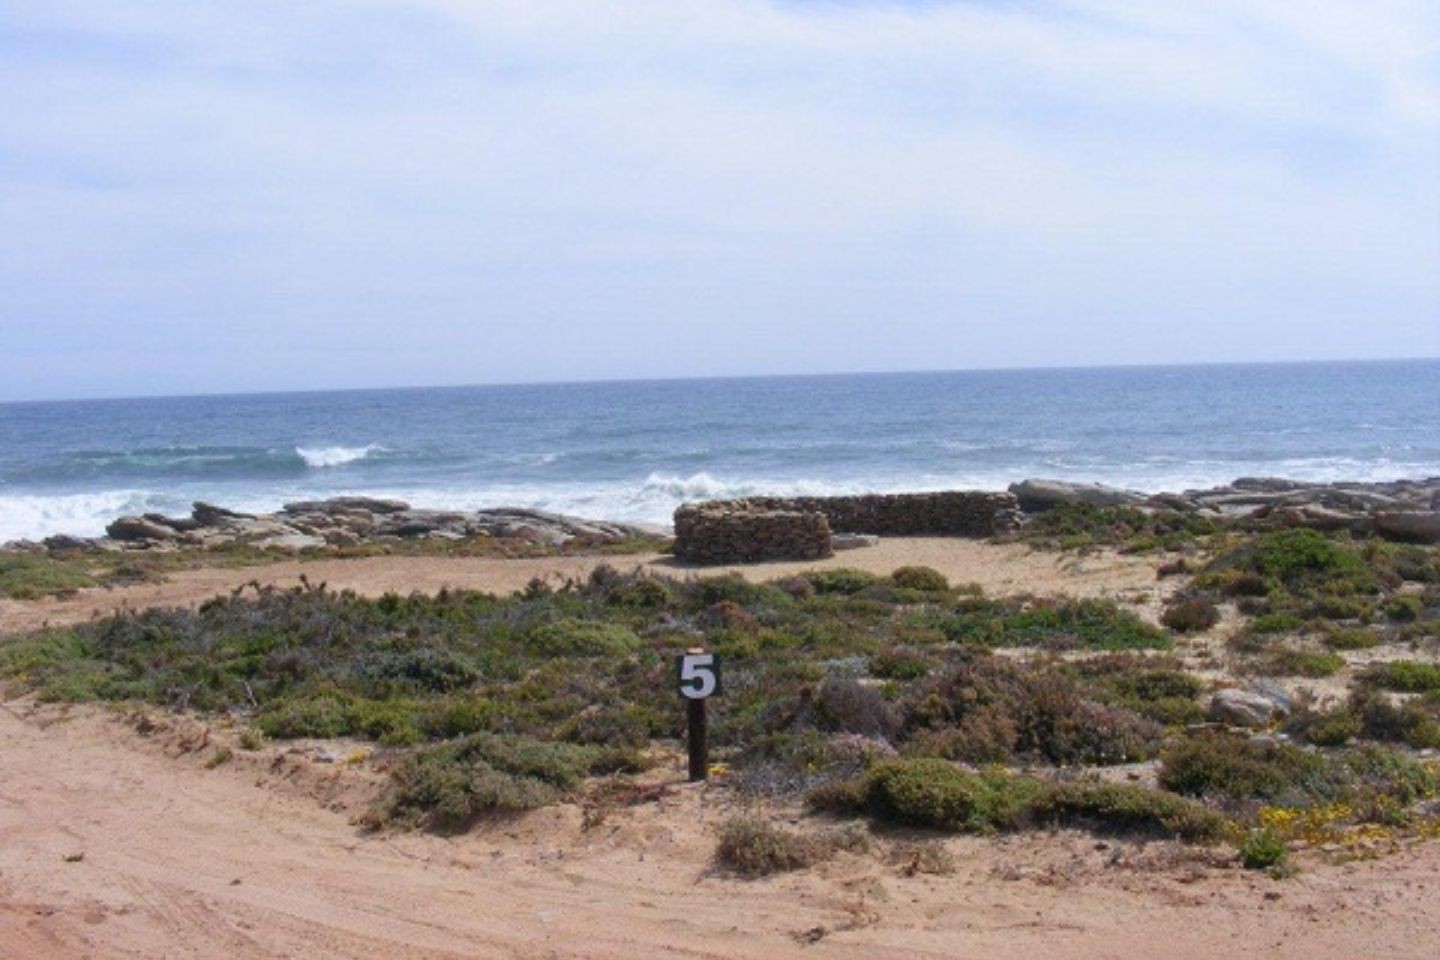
799,528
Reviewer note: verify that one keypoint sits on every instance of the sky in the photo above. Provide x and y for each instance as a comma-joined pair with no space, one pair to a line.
242,195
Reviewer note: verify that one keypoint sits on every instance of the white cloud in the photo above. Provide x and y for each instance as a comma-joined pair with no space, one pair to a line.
453,190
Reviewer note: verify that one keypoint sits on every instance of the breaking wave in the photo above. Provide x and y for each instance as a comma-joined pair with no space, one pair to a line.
324,457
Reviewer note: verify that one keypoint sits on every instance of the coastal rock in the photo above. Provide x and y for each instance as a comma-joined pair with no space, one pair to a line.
133,529
1039,495
290,541
1246,708
209,515
852,541
180,524
336,505
1421,526
63,541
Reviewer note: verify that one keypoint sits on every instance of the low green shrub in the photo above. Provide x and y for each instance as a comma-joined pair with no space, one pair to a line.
447,786
26,577
1356,639
987,709
1268,623
924,579
1404,609
1223,766
755,847
1293,662
1332,728
1131,809
1190,614
937,794
1263,849
1052,624
1405,676
583,638
841,580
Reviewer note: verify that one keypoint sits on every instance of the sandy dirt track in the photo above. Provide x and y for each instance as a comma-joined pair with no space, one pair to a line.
1000,569
258,858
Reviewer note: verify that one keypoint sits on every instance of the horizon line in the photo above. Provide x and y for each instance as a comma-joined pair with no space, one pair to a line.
599,381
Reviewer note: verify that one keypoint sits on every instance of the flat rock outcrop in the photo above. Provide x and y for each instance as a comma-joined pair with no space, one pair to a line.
341,522
1398,509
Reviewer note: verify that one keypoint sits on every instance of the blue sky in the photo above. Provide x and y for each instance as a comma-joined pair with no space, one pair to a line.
263,194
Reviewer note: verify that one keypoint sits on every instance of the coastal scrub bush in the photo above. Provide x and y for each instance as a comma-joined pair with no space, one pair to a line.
841,580
900,663
26,577
933,793
1073,526
1404,609
1130,809
1190,614
1294,662
1277,622
1405,676
446,787
1052,624
1331,728
1151,687
847,706
1263,849
755,847
1305,557
924,579
1222,766
583,638
988,708
1415,723
1359,638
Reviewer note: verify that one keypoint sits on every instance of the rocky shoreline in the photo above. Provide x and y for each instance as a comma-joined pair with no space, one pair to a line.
340,522
1399,509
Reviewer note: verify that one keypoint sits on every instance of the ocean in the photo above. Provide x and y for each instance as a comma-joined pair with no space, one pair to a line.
635,450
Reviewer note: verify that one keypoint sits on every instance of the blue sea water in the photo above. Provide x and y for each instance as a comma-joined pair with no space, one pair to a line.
633,451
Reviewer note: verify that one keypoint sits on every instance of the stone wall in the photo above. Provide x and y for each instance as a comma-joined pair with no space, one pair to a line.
741,532
791,528
952,513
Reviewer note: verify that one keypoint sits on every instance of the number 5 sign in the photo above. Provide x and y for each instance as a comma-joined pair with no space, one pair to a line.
699,675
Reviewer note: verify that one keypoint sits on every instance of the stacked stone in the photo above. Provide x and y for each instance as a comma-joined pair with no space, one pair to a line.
953,513
742,531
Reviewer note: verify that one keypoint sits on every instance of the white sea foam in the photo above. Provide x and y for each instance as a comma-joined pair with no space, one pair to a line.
82,514
653,498
321,457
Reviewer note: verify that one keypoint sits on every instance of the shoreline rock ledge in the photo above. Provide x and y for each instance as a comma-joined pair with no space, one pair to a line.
342,522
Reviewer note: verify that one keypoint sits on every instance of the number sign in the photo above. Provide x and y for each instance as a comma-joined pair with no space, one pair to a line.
699,675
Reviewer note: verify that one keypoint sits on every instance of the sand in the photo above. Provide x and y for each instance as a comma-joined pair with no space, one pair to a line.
114,844
1000,569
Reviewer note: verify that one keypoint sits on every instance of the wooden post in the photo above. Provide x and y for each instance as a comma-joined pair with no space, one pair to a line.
697,675
698,741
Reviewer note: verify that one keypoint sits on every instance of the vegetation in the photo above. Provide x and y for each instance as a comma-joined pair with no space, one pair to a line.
1074,526
27,577
1406,676
1191,614
932,793
1052,624
754,847
868,694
